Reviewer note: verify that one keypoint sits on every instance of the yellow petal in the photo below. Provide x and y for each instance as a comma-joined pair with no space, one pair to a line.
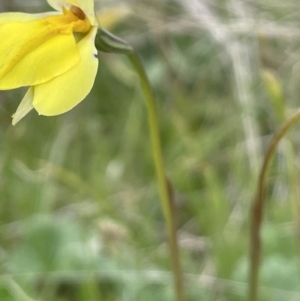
64,92
31,55
23,17
24,107
87,6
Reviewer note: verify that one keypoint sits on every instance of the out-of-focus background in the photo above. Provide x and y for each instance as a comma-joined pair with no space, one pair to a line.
80,217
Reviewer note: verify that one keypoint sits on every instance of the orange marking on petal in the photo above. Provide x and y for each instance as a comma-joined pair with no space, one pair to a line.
78,12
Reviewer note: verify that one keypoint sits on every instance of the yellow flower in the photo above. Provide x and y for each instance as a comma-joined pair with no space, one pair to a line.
53,53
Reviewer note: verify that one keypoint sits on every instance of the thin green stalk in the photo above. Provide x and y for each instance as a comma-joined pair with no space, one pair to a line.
165,189
107,42
257,212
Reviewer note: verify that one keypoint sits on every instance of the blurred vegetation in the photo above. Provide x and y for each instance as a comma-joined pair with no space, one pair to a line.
80,217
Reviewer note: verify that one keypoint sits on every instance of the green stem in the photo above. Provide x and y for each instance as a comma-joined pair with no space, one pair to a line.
164,185
257,212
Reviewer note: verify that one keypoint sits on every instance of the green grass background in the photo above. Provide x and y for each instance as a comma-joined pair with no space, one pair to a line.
80,217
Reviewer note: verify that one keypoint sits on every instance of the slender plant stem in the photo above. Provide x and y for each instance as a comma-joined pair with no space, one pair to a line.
165,188
257,212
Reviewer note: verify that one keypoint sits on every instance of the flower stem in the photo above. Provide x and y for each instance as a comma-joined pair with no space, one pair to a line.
165,188
257,212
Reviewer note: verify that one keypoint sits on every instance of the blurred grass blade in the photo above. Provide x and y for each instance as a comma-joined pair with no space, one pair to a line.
274,90
16,290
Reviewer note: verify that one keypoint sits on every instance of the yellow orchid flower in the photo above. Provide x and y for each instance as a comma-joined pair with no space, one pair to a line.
53,53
